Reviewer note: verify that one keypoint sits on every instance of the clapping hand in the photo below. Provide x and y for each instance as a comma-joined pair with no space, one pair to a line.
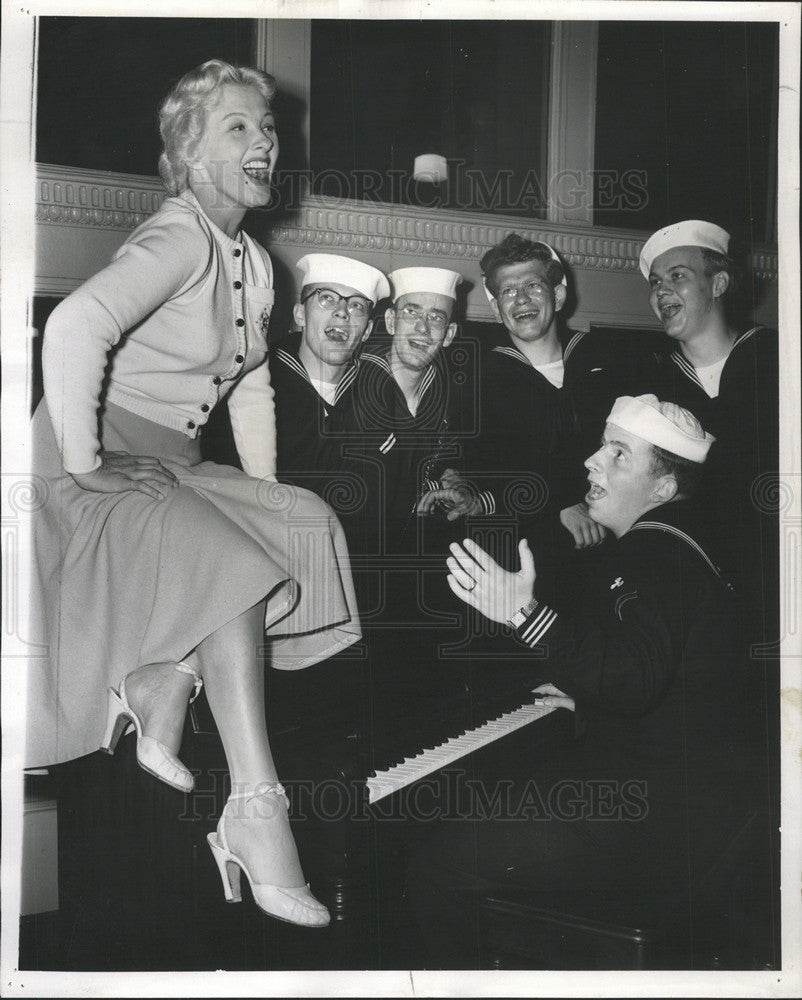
455,496
479,581
120,472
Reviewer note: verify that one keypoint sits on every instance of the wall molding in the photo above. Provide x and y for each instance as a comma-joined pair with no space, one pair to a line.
443,233
98,200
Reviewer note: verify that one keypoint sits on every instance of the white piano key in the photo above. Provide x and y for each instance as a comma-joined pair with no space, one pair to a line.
422,764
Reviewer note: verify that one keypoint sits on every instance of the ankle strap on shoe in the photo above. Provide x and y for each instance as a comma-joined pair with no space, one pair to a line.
274,787
185,668
231,811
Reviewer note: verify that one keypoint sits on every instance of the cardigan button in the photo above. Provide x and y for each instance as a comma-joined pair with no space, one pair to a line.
191,424
217,380
237,251
240,321
238,284
205,408
239,359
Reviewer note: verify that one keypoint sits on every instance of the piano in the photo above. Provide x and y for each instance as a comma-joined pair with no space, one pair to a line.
374,766
364,792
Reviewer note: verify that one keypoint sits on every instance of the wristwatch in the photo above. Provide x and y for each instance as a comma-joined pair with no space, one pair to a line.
522,614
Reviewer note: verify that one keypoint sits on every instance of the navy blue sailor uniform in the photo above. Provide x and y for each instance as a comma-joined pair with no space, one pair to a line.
527,461
314,438
740,494
667,759
411,450
650,657
407,607
528,425
312,434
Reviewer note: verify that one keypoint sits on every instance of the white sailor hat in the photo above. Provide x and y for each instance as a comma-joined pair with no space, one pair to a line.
667,425
691,233
424,279
554,256
319,268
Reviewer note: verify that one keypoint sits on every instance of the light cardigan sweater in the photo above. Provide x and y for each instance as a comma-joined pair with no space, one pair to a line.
189,308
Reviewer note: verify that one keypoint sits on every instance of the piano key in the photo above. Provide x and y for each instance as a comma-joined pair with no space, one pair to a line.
394,778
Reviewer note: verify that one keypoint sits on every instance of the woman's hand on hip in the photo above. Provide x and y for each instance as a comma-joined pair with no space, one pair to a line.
121,472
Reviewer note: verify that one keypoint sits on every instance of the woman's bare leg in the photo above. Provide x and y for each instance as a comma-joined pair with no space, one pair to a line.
233,671
159,694
258,829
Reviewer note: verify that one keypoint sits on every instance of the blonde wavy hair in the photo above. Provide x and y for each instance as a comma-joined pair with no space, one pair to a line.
182,115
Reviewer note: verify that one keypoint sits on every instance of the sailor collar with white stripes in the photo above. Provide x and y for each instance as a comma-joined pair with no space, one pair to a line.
518,355
428,377
671,529
689,370
295,365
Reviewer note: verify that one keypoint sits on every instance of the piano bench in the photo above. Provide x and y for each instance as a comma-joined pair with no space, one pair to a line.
731,922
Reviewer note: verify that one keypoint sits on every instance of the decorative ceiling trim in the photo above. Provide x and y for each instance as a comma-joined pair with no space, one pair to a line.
70,196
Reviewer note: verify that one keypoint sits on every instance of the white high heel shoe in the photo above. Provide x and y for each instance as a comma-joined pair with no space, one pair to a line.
152,756
293,905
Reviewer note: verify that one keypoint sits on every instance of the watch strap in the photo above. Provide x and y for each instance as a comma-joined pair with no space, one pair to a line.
522,614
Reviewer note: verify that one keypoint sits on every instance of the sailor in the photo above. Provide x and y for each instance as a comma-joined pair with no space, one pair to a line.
649,657
543,395
313,373
727,375
408,399
407,415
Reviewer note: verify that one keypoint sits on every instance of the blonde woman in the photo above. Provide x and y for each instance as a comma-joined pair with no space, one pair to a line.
158,571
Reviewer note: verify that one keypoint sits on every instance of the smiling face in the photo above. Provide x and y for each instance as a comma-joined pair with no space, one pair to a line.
682,296
234,160
331,336
420,325
526,302
622,484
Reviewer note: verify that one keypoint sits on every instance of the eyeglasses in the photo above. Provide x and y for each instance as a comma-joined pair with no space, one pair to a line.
328,300
412,314
530,289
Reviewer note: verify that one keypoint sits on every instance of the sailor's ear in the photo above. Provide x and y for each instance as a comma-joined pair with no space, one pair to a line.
665,489
299,314
721,282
